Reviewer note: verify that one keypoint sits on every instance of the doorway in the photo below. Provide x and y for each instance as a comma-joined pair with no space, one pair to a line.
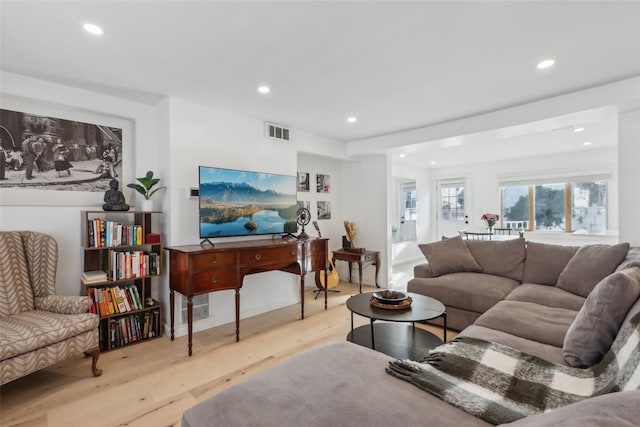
451,203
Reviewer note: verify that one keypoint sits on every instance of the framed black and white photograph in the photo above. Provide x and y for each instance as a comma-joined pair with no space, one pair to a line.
324,210
322,183
303,204
53,155
303,181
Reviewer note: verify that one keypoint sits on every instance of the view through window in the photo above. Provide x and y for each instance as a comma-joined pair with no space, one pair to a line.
574,207
452,202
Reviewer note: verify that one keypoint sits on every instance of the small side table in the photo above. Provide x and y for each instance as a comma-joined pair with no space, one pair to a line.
361,258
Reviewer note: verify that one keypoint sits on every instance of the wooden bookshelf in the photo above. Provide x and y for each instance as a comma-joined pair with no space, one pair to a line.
122,256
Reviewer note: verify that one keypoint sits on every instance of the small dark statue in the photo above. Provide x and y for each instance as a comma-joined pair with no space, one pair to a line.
114,199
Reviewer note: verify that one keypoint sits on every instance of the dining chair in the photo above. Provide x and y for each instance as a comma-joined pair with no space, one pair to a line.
477,236
503,231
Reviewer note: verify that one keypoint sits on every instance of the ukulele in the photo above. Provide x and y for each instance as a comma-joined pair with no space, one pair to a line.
332,273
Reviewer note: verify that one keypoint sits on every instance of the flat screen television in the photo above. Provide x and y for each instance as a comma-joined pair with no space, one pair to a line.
244,203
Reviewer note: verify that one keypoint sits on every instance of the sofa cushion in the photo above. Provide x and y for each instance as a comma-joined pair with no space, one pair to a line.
470,291
597,323
30,330
547,325
449,256
619,409
545,262
545,351
549,296
16,294
632,259
346,393
422,270
502,258
589,265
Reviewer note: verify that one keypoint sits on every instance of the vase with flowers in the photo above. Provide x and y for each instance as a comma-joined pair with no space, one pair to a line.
491,220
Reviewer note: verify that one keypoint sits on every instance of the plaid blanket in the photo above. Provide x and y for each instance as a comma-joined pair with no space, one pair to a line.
500,384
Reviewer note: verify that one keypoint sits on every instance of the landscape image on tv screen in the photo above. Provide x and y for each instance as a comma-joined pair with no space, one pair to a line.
238,203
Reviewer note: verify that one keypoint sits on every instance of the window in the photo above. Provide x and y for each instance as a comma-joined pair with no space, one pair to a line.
572,207
452,202
589,207
410,212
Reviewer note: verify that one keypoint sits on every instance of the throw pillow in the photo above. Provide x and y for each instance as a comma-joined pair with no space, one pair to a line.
589,265
501,258
596,325
544,262
449,256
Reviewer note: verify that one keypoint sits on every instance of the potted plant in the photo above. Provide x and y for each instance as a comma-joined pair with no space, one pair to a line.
145,188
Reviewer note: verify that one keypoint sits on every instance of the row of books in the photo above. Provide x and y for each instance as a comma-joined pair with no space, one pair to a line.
132,264
105,233
115,300
129,329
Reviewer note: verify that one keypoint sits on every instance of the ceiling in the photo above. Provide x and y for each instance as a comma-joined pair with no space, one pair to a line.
394,65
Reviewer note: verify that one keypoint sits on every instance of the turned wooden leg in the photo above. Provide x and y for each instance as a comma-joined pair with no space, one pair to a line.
95,354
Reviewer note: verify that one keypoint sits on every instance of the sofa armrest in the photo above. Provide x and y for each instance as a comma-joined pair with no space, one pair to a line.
63,304
422,270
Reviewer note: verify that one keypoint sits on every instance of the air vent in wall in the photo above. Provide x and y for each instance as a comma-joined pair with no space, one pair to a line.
276,131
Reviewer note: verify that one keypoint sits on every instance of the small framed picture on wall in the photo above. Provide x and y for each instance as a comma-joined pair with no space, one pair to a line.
303,204
323,184
303,181
324,210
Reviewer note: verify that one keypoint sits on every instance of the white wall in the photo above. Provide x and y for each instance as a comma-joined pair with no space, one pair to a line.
63,222
629,164
365,202
482,193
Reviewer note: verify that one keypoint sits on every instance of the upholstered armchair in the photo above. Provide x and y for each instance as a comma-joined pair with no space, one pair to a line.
37,327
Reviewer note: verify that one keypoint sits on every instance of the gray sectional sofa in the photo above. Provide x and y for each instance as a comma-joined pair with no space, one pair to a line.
562,305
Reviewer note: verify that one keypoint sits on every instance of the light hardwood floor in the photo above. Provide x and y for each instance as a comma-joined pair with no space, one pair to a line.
153,383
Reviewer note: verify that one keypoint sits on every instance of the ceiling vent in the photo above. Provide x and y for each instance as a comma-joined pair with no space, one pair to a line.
274,131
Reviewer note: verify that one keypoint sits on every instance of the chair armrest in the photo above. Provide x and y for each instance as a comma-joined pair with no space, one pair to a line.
422,270
63,304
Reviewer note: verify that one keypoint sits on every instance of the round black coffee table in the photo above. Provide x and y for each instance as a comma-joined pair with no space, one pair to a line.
397,339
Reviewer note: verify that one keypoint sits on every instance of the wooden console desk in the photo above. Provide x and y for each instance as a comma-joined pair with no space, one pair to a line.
200,269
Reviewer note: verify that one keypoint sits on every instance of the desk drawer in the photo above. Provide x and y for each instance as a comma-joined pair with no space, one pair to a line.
213,259
215,279
369,257
269,255
317,262
314,247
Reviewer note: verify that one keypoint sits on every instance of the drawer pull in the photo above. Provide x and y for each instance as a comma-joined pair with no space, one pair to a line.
293,251
214,279
257,257
214,260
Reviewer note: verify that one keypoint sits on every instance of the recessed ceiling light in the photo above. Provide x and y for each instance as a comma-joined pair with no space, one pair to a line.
546,63
93,29
432,162
264,89
579,129
586,143
351,119
403,155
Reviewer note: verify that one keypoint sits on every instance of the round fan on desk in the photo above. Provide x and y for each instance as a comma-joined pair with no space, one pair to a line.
304,217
